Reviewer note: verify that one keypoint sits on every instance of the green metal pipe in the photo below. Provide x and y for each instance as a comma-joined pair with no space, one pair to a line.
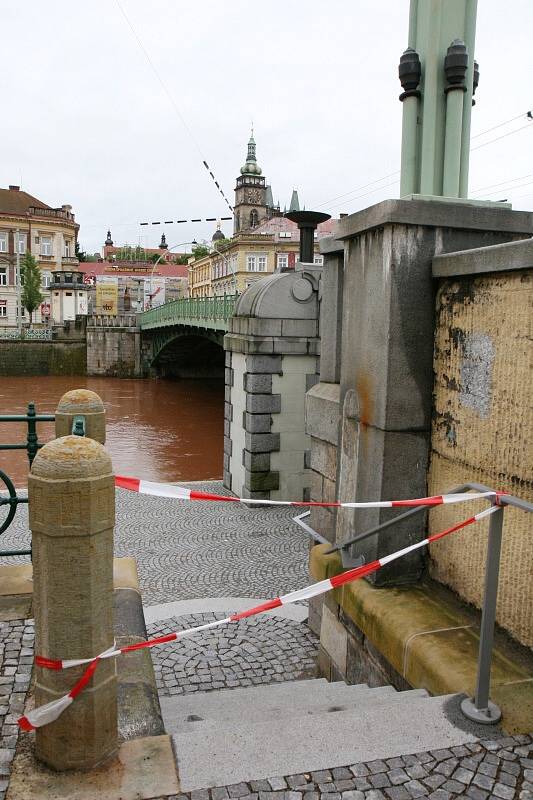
470,40
452,143
409,177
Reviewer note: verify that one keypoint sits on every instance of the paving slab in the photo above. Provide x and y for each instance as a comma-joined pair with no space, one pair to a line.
144,768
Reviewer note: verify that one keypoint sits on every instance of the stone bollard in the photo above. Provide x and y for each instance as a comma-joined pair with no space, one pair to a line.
83,403
72,514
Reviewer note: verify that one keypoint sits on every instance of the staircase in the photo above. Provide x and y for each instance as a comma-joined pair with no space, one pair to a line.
245,734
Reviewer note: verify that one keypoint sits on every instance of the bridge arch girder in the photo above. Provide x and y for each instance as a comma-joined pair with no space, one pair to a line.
163,337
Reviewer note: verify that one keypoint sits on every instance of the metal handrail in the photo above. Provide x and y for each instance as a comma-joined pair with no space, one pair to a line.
478,708
219,307
32,446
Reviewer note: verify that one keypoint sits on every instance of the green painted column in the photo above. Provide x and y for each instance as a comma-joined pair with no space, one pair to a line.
429,164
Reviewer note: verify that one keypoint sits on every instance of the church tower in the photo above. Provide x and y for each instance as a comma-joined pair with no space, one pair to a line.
250,207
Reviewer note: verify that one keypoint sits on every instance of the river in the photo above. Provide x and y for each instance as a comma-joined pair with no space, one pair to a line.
157,429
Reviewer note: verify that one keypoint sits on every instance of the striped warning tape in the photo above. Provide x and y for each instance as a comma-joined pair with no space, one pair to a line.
182,493
51,711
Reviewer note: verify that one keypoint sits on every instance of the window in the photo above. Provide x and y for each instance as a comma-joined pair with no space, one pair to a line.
256,263
3,276
285,235
46,279
319,260
46,245
3,242
67,252
253,218
283,261
3,310
22,244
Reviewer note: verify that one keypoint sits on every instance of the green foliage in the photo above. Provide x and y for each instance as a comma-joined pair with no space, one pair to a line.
200,250
81,255
155,257
31,279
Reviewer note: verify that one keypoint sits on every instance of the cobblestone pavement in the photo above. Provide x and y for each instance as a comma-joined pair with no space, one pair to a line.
201,549
501,768
16,659
251,652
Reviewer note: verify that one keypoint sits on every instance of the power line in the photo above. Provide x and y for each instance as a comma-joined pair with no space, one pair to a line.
503,183
500,125
390,175
510,189
363,186
172,101
503,136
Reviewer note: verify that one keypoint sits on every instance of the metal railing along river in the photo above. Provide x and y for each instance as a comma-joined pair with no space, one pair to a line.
31,445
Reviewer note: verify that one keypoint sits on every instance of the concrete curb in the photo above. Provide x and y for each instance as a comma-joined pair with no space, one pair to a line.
139,712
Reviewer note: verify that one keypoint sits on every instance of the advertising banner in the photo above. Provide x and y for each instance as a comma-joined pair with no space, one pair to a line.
106,295
154,292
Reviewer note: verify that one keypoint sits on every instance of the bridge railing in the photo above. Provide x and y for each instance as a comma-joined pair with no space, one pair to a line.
218,308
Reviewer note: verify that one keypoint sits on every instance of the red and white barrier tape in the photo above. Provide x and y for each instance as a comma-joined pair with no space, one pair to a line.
182,493
51,711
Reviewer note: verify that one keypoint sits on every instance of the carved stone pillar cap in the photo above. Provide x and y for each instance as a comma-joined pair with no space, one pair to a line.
80,401
71,458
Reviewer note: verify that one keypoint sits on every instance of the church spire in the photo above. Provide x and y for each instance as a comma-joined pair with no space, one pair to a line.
251,166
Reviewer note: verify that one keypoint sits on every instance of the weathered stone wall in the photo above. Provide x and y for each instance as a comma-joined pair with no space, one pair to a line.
114,352
483,421
43,358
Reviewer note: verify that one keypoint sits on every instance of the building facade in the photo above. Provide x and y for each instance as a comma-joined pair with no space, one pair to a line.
139,285
264,240
27,225
234,264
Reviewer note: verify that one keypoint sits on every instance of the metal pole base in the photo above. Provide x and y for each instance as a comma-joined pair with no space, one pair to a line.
485,716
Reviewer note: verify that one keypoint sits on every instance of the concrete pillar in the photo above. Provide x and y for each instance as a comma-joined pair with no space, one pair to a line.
81,402
72,514
387,379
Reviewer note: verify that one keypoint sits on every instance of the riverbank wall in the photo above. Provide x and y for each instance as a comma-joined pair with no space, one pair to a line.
114,346
32,358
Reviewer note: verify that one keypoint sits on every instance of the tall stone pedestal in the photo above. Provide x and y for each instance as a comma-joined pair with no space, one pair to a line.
383,368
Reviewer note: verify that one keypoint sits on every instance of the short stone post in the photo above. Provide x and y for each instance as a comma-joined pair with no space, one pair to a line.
72,515
85,403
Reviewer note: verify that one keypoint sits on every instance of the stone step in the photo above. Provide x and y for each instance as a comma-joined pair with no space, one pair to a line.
256,702
243,750
281,702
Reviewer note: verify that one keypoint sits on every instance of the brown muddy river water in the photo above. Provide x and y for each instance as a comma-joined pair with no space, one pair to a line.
158,430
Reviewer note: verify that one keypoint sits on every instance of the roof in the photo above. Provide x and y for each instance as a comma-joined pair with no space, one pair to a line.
136,270
282,224
15,201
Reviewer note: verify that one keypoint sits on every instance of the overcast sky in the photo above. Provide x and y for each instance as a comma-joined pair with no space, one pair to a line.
86,121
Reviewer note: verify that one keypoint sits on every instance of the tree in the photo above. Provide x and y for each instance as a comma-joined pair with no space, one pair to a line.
154,258
200,250
81,255
31,280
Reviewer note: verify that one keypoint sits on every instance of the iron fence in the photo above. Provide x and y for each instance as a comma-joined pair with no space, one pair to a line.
9,496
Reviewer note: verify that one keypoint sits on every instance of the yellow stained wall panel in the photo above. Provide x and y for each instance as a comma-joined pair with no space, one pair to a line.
483,432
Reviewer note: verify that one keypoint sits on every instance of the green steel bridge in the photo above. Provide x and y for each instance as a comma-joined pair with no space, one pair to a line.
206,317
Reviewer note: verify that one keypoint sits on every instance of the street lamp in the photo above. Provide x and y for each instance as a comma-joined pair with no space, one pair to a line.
181,244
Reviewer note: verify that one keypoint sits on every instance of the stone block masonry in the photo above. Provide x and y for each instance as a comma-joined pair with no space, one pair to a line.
271,362
43,358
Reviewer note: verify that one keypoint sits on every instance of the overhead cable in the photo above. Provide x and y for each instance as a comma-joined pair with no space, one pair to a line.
172,102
